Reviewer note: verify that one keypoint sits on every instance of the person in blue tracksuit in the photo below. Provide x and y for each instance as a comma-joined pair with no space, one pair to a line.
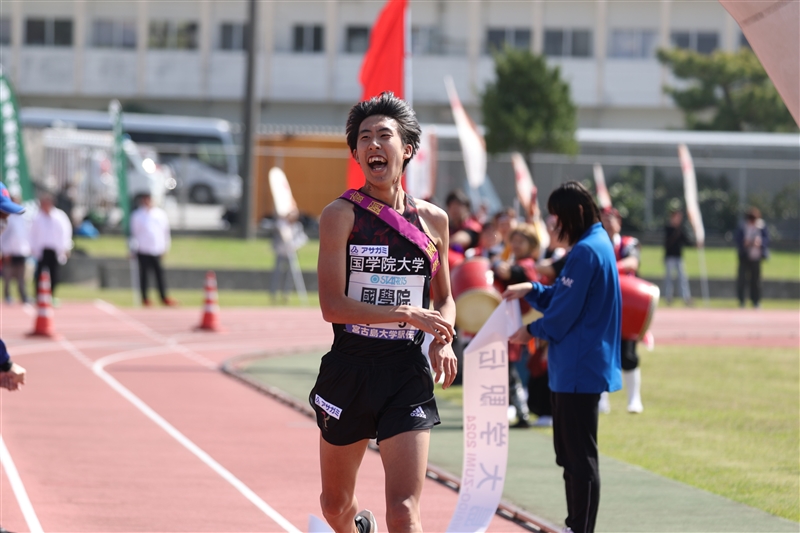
582,314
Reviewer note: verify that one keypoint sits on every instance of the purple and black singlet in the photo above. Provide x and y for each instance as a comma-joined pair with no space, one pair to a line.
383,268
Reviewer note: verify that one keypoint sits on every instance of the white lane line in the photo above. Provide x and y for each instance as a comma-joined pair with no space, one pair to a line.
154,335
19,489
98,368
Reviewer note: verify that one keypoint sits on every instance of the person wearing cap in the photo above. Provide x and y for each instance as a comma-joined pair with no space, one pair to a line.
626,250
12,376
675,239
150,240
15,247
51,241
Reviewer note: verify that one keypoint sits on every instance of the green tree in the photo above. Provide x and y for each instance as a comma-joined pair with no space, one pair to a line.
726,91
528,108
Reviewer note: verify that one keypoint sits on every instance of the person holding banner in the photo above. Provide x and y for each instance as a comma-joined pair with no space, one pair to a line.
627,251
582,324
380,252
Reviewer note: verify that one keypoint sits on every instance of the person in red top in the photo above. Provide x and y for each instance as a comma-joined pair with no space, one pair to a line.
627,251
465,229
524,244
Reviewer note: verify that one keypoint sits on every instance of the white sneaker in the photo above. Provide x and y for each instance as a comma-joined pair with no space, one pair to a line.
366,523
635,407
543,422
604,405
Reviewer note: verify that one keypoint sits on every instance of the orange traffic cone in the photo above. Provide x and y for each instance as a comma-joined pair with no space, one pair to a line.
43,327
210,321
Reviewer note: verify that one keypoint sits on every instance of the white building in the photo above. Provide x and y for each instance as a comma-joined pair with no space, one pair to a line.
187,58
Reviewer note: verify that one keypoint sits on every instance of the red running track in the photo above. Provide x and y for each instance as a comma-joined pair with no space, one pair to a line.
127,425
759,328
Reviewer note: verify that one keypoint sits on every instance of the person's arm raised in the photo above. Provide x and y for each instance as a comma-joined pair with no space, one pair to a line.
336,223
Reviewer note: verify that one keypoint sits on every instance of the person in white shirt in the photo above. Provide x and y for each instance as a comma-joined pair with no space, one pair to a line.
15,247
51,240
150,239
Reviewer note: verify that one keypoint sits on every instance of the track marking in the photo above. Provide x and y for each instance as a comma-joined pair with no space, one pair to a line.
154,335
98,368
19,489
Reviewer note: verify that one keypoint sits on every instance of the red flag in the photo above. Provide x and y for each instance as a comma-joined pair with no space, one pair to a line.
383,66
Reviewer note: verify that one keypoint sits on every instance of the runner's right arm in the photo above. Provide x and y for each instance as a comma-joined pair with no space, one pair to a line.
335,225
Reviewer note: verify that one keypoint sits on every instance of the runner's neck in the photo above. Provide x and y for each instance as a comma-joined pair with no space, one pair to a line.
394,197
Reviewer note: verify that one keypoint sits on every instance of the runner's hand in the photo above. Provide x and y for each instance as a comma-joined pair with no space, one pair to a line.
521,336
14,378
432,322
443,361
517,291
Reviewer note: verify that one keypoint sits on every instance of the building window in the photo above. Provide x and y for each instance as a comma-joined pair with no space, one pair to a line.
48,32
5,31
568,43
707,42
633,44
167,34
356,39
425,40
109,33
703,42
233,35
499,38
308,38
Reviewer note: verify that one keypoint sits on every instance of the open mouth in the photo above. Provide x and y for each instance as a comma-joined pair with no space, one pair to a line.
376,162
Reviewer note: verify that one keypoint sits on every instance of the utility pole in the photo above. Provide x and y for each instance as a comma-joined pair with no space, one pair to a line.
250,120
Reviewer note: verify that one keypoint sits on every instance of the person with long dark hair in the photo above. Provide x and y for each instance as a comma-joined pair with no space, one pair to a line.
380,251
581,323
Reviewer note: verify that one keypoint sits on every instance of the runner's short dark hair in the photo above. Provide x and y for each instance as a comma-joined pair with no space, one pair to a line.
565,202
388,105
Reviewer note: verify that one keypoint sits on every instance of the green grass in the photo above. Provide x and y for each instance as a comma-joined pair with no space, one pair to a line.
186,297
720,263
207,252
724,419
210,252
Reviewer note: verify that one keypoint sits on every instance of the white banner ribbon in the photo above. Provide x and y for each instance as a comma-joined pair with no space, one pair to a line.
485,421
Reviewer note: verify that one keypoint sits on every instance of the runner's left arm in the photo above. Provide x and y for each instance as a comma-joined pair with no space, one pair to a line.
443,359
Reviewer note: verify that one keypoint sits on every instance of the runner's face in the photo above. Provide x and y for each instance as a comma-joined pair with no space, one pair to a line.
380,150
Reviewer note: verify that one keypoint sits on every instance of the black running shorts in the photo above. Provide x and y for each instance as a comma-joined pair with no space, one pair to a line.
373,396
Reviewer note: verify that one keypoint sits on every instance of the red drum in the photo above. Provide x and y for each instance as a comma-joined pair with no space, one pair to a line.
639,302
454,258
474,292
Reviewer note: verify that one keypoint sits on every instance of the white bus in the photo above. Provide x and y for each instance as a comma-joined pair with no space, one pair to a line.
201,151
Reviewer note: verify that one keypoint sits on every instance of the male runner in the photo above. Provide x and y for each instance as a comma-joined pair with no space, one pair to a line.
376,287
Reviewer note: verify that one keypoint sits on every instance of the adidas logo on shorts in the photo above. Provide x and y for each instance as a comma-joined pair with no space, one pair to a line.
418,412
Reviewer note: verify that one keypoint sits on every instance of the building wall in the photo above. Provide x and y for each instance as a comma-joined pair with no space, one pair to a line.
206,78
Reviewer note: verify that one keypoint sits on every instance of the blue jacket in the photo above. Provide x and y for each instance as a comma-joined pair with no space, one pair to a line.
582,318
4,357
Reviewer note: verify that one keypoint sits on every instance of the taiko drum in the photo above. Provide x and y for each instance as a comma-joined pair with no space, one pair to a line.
474,292
639,302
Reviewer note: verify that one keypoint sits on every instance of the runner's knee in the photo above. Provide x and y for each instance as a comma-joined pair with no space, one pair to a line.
403,515
335,503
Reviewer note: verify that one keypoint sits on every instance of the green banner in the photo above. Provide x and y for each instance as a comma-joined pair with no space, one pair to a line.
13,164
120,164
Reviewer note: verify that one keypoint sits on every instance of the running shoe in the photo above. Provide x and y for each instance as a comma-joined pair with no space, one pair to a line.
365,522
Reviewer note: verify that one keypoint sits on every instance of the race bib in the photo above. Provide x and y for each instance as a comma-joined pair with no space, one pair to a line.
386,289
